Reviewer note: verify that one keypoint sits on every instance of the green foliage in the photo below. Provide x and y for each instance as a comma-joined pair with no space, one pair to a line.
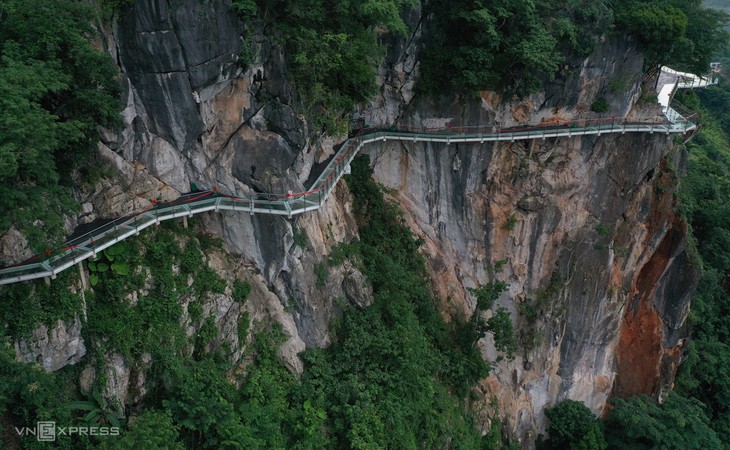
244,7
26,305
106,261
334,51
29,393
152,429
195,310
206,335
617,85
553,288
600,105
207,280
203,405
705,202
515,46
500,325
241,290
300,238
678,423
680,33
509,46
486,295
55,89
528,310
510,223
321,272
603,230
385,381
340,252
242,328
98,411
153,324
573,427
529,335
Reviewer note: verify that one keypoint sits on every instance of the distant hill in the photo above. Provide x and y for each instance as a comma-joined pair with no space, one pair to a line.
717,4
722,5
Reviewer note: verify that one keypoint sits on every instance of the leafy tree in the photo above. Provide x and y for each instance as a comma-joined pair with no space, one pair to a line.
386,380
680,33
642,423
152,429
510,46
705,202
202,404
333,49
574,427
55,88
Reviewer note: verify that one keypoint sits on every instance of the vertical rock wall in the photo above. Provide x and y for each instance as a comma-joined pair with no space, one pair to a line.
589,242
583,231
197,113
592,252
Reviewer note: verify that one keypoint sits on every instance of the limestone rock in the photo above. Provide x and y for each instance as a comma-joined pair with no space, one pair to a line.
117,379
13,247
195,114
357,289
55,347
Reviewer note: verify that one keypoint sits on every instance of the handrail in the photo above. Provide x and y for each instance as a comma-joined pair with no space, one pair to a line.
89,244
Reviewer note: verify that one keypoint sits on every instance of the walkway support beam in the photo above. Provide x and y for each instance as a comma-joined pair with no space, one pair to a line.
188,205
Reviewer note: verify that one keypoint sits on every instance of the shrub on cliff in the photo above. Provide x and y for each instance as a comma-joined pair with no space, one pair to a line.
642,423
55,88
573,427
508,46
680,33
333,50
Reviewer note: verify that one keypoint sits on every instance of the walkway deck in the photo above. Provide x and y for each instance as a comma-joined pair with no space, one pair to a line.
89,244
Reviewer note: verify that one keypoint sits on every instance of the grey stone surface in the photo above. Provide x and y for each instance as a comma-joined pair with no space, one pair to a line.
53,348
195,114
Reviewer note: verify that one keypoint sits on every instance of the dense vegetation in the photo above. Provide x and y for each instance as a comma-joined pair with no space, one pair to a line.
705,375
635,423
679,33
55,88
696,415
396,376
509,46
333,49
515,46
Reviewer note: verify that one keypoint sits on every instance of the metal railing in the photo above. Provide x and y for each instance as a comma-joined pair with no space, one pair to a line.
88,245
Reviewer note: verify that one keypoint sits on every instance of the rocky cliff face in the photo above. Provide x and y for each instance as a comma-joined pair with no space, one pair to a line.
198,114
581,229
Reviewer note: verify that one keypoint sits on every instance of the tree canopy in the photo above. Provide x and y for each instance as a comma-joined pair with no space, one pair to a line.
680,33
642,423
705,202
574,427
55,88
514,46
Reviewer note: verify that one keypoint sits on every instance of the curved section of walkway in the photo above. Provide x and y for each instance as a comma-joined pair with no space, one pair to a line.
88,245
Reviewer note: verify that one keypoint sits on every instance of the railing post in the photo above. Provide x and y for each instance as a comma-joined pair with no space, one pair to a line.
82,274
